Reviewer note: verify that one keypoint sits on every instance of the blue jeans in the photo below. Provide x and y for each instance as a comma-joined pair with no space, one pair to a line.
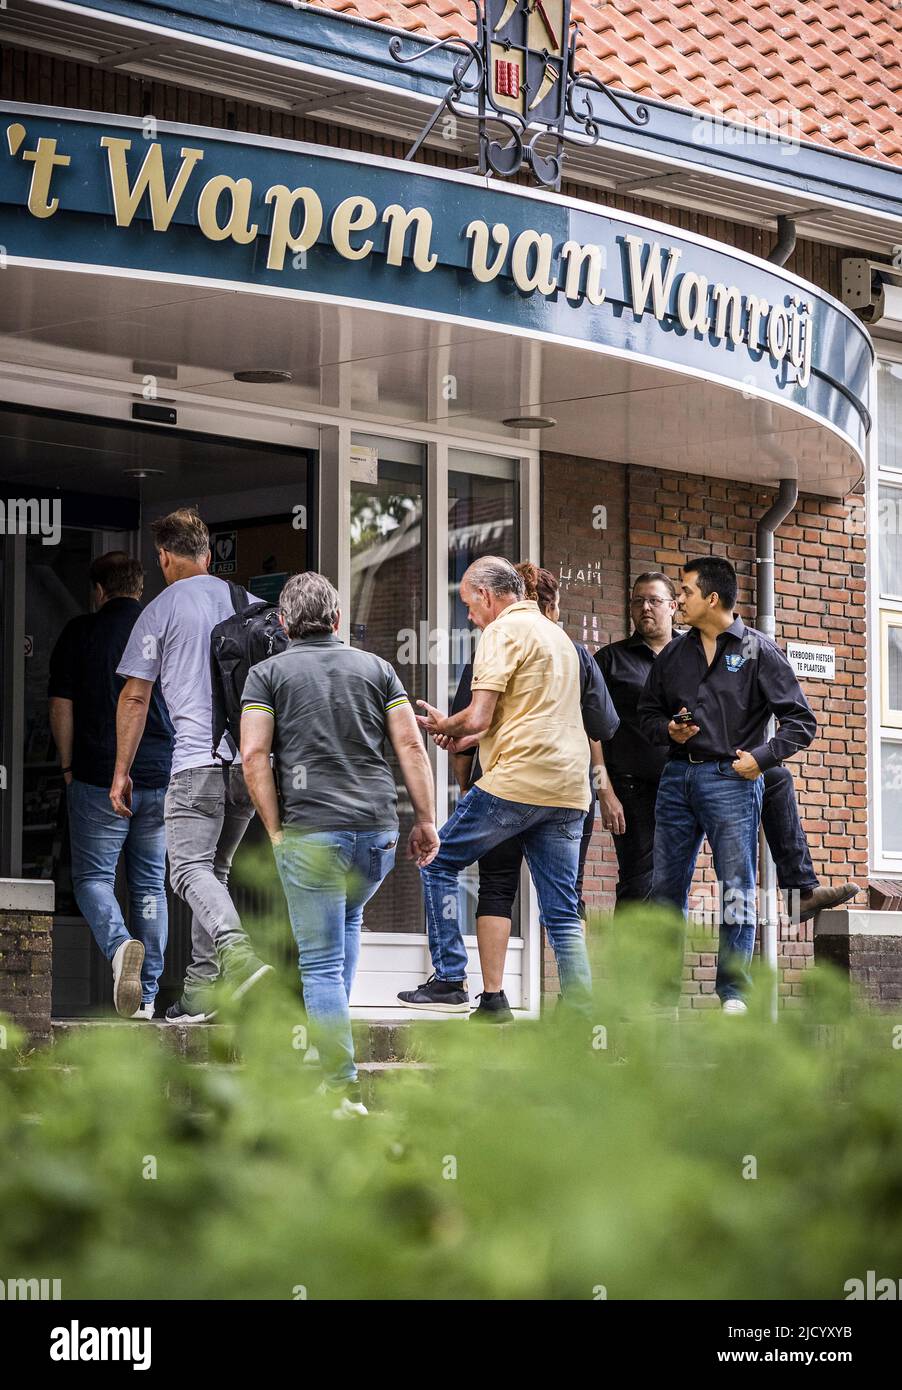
98,836
710,800
328,877
550,836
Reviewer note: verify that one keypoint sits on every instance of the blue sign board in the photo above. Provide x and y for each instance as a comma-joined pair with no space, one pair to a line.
112,192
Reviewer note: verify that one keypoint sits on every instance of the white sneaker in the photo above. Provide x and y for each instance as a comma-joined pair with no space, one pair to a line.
348,1108
145,1011
350,1104
127,963
735,1006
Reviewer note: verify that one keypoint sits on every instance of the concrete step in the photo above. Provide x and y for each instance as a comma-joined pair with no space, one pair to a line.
375,1041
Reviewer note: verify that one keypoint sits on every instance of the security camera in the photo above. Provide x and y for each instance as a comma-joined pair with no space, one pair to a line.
873,289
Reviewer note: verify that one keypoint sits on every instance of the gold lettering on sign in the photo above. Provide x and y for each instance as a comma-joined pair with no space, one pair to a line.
280,237
353,215
541,277
727,310
757,308
478,233
150,177
576,257
240,192
692,298
778,333
532,259
653,279
800,346
399,220
45,159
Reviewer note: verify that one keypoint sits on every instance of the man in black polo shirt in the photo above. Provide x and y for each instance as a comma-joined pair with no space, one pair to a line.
708,700
84,692
633,770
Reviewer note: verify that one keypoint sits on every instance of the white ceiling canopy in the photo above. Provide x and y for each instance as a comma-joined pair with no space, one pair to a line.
67,335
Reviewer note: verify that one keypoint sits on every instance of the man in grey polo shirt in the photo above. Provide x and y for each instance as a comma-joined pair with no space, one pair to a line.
328,800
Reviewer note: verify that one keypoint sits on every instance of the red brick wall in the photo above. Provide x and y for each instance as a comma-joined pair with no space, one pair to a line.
655,519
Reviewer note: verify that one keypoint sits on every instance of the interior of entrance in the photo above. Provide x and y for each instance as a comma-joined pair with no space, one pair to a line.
109,481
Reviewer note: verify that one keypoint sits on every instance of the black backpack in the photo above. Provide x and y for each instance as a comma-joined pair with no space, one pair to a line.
249,636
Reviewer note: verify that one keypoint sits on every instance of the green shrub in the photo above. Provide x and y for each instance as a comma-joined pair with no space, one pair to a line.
550,1160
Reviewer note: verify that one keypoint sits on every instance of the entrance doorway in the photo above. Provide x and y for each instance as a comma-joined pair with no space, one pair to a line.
393,520
105,481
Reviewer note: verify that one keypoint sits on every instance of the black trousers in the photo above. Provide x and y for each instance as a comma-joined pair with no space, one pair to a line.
779,817
499,873
635,849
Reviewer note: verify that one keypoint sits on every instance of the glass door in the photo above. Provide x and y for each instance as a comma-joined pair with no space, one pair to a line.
483,519
419,514
388,616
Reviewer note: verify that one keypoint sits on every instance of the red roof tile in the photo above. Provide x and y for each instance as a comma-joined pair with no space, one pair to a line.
828,71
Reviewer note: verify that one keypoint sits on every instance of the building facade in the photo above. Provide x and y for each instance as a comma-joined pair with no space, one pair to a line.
225,284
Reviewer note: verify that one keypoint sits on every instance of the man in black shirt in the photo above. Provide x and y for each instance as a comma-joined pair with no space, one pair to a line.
84,691
708,700
633,770
632,765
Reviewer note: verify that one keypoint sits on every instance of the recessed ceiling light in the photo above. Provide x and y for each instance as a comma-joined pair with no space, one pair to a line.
264,378
530,422
144,472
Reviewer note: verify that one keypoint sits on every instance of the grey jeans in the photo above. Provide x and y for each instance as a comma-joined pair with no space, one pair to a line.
205,823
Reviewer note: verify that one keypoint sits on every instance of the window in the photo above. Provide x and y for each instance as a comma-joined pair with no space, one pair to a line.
483,512
388,616
888,580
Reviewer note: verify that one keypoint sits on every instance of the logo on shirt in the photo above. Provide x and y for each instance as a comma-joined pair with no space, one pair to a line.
734,661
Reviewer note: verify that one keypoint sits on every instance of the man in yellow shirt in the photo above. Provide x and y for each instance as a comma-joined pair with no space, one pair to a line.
525,712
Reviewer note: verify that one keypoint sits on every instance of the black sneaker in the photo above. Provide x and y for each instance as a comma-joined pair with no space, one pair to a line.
441,996
493,1008
180,1012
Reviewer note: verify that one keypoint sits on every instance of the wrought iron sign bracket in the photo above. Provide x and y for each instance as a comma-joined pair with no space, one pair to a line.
521,69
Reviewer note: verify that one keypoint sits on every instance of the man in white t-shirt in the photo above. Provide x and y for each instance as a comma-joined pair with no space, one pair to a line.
207,807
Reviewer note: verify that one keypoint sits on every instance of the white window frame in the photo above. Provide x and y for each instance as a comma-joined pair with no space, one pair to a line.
880,611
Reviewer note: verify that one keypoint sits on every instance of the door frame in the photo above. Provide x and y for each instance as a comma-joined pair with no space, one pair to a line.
335,479
110,400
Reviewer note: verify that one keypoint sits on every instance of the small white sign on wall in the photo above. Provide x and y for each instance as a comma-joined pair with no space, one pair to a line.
364,463
812,663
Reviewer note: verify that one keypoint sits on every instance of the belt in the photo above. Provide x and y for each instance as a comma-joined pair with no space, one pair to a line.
688,758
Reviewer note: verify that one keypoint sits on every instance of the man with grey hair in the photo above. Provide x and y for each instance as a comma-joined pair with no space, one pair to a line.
525,711
315,721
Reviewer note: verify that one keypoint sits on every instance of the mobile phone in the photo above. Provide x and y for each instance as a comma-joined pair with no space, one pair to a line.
685,718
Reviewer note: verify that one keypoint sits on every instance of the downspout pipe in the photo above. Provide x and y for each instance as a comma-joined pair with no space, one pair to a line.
785,243
766,622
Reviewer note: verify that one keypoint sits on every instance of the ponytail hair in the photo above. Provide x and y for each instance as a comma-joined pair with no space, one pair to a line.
540,584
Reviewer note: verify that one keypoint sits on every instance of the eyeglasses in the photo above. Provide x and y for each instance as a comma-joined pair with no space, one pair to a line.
654,602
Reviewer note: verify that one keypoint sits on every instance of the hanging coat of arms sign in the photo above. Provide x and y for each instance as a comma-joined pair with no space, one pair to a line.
520,71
